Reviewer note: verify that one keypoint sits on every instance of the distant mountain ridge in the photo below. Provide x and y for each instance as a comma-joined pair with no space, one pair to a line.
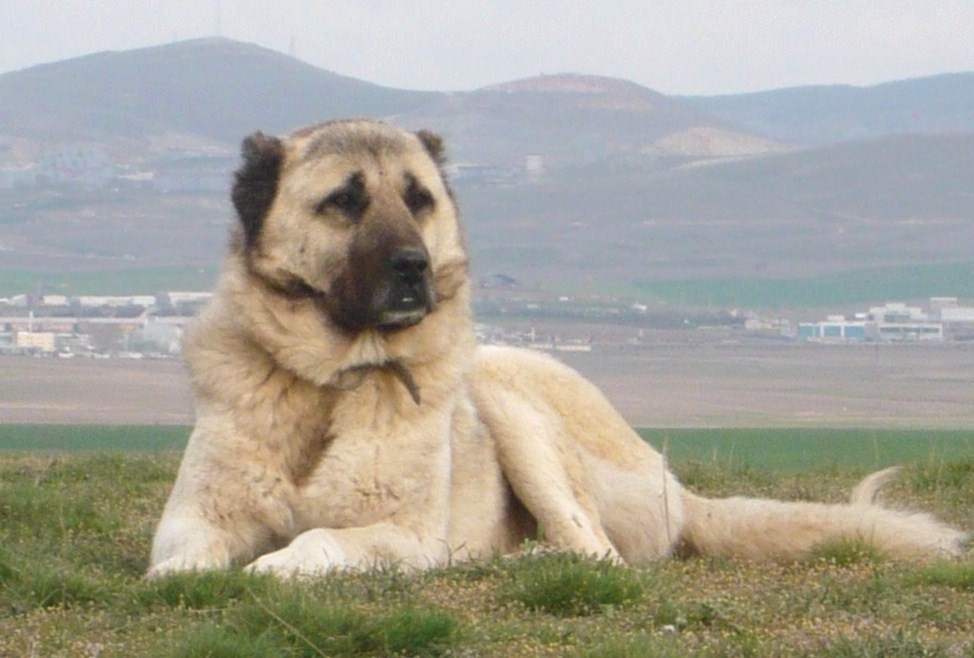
216,89
831,114
573,119
220,90
563,178
213,88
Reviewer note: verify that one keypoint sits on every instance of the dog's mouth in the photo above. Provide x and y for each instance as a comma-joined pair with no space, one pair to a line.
405,305
401,305
396,320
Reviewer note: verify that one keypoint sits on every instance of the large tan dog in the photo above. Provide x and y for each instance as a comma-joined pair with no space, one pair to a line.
346,418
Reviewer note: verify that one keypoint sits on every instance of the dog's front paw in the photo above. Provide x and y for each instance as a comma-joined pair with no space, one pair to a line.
313,553
184,564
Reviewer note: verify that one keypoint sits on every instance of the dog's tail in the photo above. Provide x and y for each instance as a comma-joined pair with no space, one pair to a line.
768,529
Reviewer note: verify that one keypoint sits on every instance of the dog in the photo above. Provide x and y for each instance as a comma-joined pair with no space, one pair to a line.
346,417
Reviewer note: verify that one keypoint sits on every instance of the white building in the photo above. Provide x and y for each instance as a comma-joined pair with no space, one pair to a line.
145,301
957,315
897,312
188,297
41,341
836,328
893,322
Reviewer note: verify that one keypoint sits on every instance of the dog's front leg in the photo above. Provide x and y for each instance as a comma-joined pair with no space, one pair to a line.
222,509
185,542
187,539
319,551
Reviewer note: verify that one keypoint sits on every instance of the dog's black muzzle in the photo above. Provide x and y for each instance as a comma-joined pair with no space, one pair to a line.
409,295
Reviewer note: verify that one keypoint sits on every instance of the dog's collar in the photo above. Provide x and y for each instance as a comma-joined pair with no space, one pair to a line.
353,377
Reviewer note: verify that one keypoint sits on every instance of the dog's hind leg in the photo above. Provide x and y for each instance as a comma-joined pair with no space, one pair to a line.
546,474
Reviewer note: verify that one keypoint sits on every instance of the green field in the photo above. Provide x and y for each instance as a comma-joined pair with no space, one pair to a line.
141,281
771,449
93,438
807,449
837,289
75,529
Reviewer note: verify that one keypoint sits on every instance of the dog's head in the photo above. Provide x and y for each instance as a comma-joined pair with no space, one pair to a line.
354,216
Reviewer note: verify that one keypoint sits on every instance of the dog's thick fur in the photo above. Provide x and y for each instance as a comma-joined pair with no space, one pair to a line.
346,417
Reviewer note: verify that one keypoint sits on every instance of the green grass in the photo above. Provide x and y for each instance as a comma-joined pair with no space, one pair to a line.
75,531
567,585
309,622
954,575
848,552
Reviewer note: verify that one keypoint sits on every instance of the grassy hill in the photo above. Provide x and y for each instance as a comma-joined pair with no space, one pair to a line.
893,203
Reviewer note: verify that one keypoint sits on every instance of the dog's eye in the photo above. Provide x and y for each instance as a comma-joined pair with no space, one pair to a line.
350,199
350,202
418,199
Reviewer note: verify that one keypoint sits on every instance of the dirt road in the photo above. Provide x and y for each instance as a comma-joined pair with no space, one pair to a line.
664,385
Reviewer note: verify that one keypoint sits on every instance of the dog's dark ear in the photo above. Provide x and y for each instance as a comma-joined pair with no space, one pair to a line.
434,146
255,182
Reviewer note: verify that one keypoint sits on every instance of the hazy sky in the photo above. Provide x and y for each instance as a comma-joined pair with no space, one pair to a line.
673,46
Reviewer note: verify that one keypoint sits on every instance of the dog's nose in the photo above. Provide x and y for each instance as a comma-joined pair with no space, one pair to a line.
410,264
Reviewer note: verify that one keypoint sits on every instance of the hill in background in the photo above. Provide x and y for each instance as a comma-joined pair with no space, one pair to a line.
570,120
122,160
210,89
941,104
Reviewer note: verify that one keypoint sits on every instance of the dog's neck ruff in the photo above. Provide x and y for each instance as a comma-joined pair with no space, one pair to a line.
351,378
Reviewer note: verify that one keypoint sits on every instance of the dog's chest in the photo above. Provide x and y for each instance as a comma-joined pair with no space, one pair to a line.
369,474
